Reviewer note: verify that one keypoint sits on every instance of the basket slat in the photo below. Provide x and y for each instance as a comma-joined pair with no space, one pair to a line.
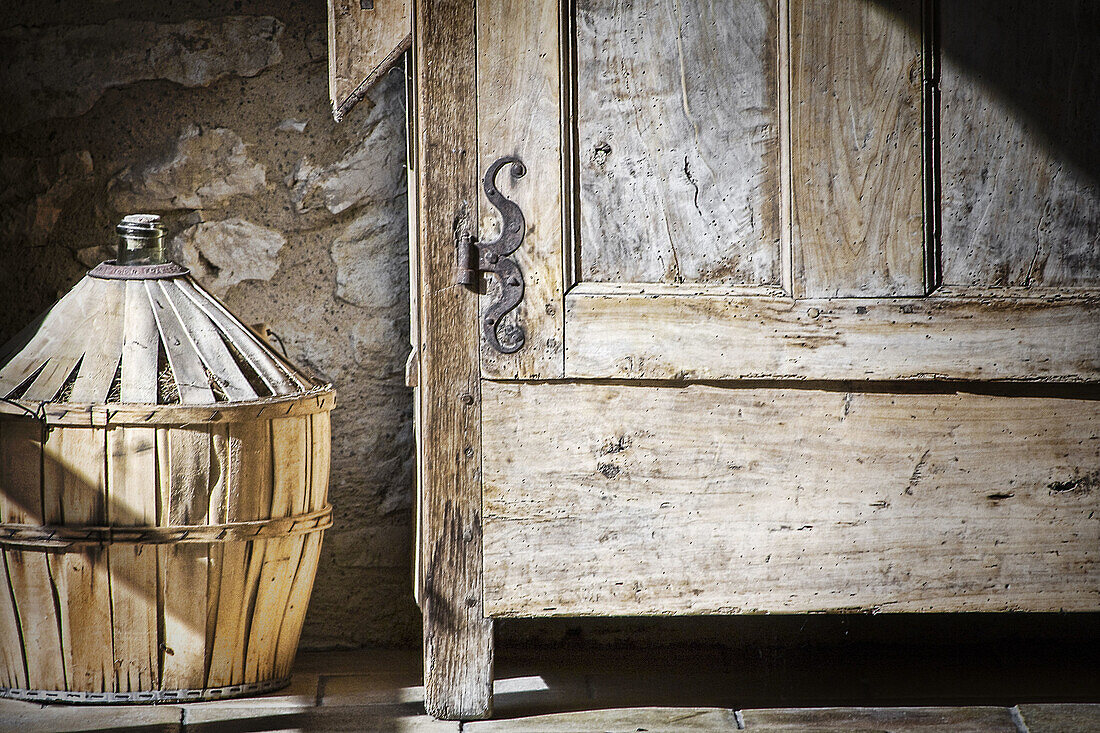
102,354
139,352
281,381
131,470
74,482
208,343
184,568
187,367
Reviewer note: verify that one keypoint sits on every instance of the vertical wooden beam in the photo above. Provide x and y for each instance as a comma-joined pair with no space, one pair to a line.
519,113
458,639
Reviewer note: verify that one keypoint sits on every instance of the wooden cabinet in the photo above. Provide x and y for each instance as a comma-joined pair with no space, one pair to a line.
811,314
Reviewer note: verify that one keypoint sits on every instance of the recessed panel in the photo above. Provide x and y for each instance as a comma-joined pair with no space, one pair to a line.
1020,144
678,141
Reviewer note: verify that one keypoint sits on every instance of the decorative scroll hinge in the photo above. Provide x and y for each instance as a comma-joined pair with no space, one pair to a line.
493,257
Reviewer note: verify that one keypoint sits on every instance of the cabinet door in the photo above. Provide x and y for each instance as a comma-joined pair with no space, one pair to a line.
780,251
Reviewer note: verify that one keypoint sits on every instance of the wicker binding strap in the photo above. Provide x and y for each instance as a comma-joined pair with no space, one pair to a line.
58,538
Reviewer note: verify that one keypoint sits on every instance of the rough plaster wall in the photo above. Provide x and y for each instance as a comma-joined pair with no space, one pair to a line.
215,115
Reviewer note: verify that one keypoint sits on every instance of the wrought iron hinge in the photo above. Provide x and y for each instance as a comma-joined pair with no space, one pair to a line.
493,257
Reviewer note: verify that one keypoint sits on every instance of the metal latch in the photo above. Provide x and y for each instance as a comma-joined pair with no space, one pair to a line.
493,257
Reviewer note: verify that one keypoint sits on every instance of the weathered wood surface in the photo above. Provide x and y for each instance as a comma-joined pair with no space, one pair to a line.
185,458
781,499
678,141
132,617
1019,147
363,44
30,582
73,353
519,103
856,153
131,470
458,639
73,489
312,402
638,334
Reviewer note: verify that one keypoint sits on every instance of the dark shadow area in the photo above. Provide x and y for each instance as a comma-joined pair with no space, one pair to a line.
1042,58
800,661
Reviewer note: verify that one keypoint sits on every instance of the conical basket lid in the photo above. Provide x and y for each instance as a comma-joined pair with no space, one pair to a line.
143,341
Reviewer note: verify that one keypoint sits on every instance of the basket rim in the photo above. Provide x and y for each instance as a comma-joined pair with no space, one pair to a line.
102,415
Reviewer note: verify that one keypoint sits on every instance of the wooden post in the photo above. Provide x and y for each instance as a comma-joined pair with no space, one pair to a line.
458,639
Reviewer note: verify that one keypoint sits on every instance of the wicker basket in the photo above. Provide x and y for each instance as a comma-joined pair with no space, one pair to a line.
163,493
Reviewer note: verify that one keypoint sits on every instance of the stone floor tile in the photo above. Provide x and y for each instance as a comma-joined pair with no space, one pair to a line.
380,718
899,720
617,720
396,687
34,718
1060,718
519,695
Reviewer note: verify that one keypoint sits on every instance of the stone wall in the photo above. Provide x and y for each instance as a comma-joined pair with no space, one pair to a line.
215,115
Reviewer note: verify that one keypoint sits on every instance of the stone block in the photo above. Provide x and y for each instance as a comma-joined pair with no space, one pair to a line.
62,71
221,254
207,167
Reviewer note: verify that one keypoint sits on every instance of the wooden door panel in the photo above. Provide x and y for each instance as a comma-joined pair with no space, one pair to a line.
678,142
857,73
1020,149
633,500
363,44
722,155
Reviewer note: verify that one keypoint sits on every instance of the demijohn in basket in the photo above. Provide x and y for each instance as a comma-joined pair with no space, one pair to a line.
163,492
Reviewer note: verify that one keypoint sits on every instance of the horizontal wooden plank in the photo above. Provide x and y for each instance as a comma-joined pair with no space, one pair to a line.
643,335
639,500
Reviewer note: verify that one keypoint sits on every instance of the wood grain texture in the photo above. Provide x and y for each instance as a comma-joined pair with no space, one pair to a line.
134,501
362,45
1019,148
31,584
186,463
75,492
519,112
856,153
786,500
139,357
654,335
458,639
208,343
17,504
32,347
678,141
100,362
73,352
